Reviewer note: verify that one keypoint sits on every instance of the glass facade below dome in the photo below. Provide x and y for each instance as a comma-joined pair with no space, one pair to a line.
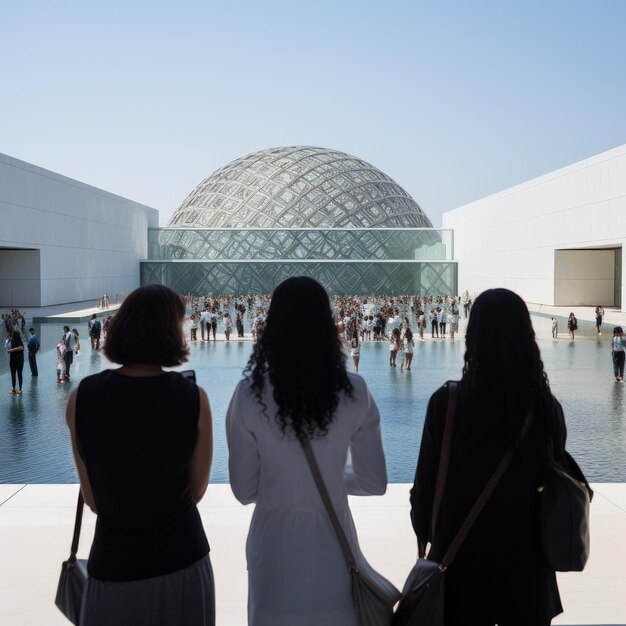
406,244
254,261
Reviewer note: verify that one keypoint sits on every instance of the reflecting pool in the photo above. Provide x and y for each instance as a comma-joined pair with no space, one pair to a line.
34,443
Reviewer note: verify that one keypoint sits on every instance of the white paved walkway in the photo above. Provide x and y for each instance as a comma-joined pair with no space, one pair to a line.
612,315
36,526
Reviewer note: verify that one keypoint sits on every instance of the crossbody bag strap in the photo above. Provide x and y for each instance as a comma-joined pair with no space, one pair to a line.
77,524
444,456
484,496
330,509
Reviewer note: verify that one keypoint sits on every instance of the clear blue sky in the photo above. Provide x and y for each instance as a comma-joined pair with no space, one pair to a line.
453,99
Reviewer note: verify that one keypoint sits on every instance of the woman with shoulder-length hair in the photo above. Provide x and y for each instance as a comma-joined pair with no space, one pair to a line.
498,575
296,571
143,444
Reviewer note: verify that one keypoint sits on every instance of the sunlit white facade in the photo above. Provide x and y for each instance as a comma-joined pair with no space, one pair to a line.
557,239
64,241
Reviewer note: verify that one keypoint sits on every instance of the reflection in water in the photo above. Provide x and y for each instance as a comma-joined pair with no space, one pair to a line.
16,427
34,442
616,407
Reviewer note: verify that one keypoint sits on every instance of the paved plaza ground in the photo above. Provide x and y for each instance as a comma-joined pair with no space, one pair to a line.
36,524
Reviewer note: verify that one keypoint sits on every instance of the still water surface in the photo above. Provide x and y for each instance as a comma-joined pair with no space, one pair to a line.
34,443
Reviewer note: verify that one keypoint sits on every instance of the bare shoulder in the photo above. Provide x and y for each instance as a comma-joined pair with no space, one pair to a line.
203,394
205,406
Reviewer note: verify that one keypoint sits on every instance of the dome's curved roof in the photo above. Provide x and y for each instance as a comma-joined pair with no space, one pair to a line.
299,187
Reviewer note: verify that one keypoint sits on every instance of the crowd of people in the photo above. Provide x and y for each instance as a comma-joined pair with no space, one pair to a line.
358,319
398,320
368,318
17,342
385,318
208,313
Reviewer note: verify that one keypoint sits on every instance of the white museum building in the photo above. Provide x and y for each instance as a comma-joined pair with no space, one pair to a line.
555,240
64,241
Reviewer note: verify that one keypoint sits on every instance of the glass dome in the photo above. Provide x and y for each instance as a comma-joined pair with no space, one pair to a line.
299,187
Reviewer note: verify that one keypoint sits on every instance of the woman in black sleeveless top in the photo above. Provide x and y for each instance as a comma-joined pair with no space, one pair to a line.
142,441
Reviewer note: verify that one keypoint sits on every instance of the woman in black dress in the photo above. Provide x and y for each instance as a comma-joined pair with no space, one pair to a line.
499,575
142,442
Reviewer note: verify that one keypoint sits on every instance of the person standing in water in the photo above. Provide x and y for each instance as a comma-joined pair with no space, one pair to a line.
15,349
572,324
409,346
33,348
618,352
599,316
355,351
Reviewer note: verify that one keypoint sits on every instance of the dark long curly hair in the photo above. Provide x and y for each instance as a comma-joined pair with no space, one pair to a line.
300,351
503,373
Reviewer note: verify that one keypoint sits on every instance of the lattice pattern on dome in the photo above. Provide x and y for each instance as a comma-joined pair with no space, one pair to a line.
228,278
299,187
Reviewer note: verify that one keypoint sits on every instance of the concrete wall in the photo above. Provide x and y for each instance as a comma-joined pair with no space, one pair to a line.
509,239
89,241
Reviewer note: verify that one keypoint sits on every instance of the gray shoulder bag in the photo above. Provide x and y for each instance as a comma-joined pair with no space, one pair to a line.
373,599
73,574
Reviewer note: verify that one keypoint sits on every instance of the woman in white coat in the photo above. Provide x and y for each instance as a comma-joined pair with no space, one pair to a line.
296,571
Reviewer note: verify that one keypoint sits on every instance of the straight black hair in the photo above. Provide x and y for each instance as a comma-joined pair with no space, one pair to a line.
503,367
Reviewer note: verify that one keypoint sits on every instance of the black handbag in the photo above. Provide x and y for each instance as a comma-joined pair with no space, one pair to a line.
423,595
564,499
73,574
373,597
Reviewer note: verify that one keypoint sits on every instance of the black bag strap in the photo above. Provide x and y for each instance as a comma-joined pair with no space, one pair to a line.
442,474
77,524
484,497
444,457
321,487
